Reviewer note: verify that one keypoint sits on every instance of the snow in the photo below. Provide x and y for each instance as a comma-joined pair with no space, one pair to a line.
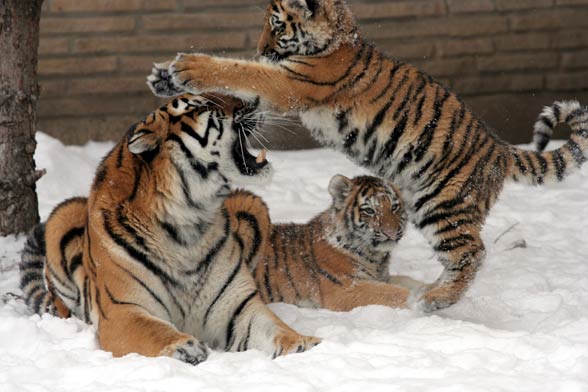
522,326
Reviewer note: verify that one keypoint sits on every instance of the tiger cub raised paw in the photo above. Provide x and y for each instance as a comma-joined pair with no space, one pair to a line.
160,81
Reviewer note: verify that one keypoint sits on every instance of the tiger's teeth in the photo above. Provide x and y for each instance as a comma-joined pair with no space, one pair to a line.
261,157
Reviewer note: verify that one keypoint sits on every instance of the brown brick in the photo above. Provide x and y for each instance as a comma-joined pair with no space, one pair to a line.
398,9
142,64
570,39
494,84
549,19
509,5
577,59
96,105
519,61
108,84
76,130
77,65
198,4
53,46
463,6
407,51
571,2
155,43
525,41
521,46
476,25
209,20
568,81
159,5
464,46
53,88
87,25
448,67
418,28
110,5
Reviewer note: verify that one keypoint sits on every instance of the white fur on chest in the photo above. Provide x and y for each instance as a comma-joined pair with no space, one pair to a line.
323,125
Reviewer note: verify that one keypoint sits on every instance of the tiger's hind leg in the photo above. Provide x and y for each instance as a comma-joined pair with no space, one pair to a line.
459,248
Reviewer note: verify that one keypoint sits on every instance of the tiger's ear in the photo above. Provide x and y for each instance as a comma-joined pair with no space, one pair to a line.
339,188
142,140
303,8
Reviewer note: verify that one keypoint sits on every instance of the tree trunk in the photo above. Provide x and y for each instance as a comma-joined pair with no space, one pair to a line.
19,41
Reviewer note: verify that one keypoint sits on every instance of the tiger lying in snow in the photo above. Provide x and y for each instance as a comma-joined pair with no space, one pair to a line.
151,257
339,260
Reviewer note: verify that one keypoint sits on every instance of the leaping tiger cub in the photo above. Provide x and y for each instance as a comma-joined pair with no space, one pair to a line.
339,260
150,257
391,118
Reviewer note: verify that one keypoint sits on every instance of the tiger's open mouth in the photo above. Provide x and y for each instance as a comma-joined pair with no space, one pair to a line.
247,121
247,163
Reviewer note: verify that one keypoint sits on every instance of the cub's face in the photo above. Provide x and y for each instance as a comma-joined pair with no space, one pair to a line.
204,137
368,212
296,27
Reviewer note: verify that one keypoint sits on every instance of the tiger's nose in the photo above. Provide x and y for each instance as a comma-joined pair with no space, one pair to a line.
392,233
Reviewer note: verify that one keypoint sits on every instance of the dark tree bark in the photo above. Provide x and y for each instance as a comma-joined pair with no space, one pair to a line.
19,42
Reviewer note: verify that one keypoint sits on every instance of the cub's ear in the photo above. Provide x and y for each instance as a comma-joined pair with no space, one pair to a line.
339,188
303,8
143,140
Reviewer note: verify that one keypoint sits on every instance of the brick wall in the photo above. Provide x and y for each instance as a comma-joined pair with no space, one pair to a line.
506,58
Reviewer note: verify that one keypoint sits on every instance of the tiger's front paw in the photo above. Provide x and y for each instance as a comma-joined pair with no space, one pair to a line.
432,298
160,81
190,351
288,342
190,72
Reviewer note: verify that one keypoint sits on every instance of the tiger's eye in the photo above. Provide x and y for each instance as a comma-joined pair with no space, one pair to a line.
368,211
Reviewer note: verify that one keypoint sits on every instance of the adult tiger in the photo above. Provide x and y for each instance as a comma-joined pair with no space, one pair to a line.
149,257
389,117
339,260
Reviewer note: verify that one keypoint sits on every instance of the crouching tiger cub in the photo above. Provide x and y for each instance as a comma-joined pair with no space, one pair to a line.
149,257
392,119
339,260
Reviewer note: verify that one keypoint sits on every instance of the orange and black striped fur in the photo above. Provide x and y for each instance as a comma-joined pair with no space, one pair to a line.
390,118
149,257
339,260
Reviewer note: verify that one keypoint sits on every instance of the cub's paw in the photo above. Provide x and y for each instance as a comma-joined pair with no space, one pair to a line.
189,71
160,81
415,287
190,351
289,342
436,298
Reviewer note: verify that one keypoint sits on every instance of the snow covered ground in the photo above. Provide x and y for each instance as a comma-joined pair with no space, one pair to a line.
523,326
